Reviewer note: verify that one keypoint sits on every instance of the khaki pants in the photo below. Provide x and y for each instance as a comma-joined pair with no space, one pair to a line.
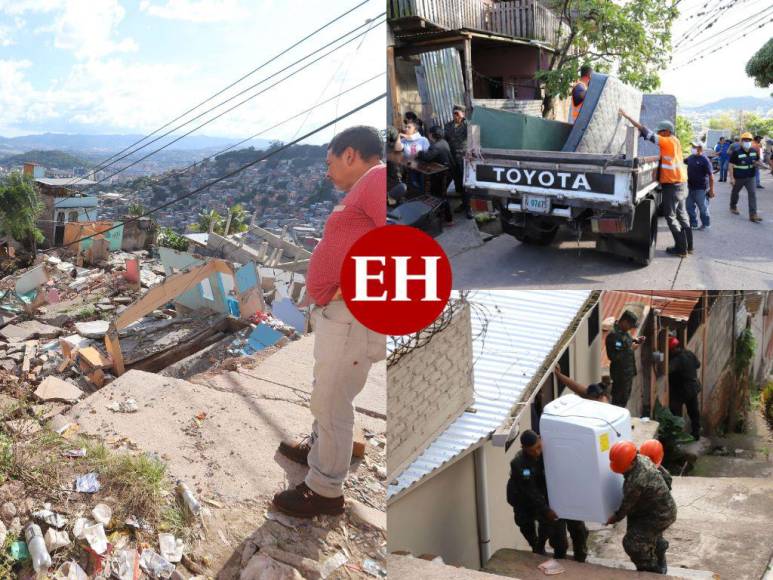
344,351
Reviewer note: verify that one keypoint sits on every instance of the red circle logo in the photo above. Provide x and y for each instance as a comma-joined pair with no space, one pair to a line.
396,280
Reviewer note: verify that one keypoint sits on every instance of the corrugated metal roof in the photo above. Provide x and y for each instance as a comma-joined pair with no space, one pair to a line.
514,331
674,304
73,182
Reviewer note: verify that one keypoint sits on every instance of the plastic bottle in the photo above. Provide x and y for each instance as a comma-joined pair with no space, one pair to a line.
41,559
187,496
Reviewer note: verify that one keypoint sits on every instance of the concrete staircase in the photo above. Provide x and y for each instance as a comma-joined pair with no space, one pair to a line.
523,565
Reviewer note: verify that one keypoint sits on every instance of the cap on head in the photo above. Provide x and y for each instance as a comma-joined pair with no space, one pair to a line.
630,316
459,109
529,438
653,449
746,135
621,456
673,343
665,126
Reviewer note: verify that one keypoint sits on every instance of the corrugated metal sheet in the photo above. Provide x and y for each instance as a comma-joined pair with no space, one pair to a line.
514,331
445,84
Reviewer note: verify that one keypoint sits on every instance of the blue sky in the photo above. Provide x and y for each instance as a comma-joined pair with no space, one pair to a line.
128,66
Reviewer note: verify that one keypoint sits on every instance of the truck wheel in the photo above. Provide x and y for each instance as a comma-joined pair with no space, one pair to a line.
533,236
648,253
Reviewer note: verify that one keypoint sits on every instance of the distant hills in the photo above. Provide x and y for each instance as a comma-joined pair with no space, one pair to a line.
112,143
733,103
53,159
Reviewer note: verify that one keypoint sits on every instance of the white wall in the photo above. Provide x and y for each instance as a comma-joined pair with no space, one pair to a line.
438,517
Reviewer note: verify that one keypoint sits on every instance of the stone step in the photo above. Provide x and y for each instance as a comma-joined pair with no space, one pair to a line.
523,565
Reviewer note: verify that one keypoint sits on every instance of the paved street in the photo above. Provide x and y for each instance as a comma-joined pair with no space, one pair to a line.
734,254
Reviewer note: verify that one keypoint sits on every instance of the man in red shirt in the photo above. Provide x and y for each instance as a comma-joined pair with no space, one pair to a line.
344,349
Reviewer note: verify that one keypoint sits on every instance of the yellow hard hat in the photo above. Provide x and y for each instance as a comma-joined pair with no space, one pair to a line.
747,135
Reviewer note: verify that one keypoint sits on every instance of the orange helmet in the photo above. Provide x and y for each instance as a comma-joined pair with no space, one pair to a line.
653,449
621,456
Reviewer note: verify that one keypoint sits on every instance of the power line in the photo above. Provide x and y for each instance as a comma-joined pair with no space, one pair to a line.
231,174
239,104
237,81
722,34
178,172
748,28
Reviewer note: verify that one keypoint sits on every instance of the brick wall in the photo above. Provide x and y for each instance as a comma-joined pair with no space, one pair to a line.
427,389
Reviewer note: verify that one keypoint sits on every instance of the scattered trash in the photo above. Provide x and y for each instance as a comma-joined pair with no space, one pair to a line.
201,415
70,571
51,518
373,568
138,524
171,548
188,498
41,560
95,536
127,406
332,564
126,565
19,551
102,514
56,539
155,565
75,452
551,567
87,483
79,526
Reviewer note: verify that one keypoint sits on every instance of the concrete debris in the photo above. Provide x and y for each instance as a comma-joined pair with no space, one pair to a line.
23,427
55,389
30,329
261,567
367,515
93,329
126,406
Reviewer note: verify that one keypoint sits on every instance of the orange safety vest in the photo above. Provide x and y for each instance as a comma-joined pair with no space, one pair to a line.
672,167
575,109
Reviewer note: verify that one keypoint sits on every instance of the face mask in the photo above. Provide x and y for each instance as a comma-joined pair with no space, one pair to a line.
747,144
693,151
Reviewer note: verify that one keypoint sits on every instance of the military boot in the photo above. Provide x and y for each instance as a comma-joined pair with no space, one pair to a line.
660,551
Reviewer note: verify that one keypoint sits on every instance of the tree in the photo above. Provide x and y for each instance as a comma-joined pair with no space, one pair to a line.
20,207
632,38
756,125
684,131
168,238
135,209
239,219
760,66
206,218
724,121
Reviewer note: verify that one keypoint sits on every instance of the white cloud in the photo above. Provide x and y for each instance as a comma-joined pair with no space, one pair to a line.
195,10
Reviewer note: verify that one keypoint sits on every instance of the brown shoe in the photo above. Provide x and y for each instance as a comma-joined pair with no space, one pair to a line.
734,210
302,502
755,218
298,450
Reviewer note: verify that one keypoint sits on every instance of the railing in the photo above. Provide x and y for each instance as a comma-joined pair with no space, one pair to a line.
514,18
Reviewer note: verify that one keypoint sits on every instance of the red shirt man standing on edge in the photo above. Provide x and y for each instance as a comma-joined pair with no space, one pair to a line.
344,349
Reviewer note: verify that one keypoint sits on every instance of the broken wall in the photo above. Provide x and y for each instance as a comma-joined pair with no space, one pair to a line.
138,235
427,389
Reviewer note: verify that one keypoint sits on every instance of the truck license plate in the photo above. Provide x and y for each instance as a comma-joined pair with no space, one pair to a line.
536,204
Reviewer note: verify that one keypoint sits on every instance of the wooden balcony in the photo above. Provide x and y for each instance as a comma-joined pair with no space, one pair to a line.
526,19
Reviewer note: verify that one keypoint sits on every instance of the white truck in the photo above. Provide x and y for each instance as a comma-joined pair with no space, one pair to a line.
612,198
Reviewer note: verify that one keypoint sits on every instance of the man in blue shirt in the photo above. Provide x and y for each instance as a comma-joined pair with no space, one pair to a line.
724,157
700,187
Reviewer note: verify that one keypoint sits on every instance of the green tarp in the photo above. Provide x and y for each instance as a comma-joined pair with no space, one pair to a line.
507,130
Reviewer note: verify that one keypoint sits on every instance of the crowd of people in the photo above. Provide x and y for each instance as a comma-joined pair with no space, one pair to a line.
647,503
443,145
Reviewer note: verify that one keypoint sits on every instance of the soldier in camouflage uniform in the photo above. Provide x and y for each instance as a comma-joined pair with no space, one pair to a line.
456,134
648,505
622,362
